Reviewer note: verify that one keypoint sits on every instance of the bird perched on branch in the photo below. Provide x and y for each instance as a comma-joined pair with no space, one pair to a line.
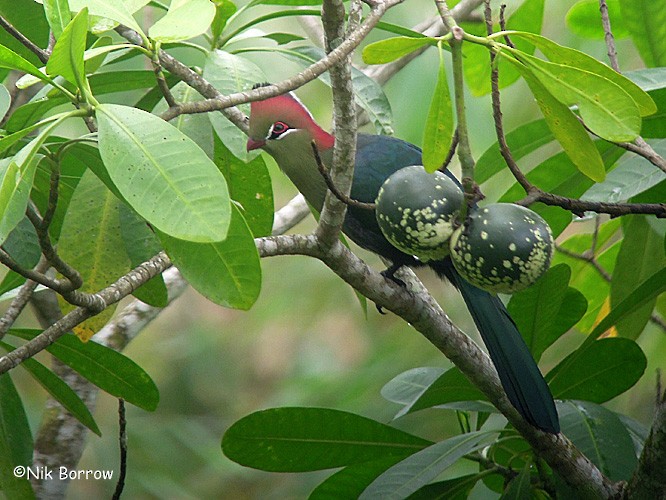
284,128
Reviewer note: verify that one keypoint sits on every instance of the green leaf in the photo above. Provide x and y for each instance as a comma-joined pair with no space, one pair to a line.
632,176
547,310
5,100
566,128
59,390
118,11
558,175
569,57
224,9
17,177
284,38
654,126
646,21
528,17
15,441
184,20
600,436
228,272
450,387
607,109
522,141
23,245
58,15
584,277
369,94
584,20
408,386
11,60
71,170
648,78
295,3
11,139
107,369
67,57
90,242
249,186
598,371
92,64
458,488
196,126
163,174
306,439
439,128
641,255
645,293
141,244
520,487
229,73
352,480
386,51
422,467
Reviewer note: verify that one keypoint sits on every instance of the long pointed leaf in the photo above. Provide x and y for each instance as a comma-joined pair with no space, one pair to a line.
107,369
59,390
15,441
306,439
421,468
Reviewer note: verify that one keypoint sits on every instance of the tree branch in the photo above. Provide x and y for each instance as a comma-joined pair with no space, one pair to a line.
216,101
649,480
25,41
608,35
344,118
424,314
109,295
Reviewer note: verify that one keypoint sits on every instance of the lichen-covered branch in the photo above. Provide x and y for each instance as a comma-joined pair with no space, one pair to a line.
344,117
423,313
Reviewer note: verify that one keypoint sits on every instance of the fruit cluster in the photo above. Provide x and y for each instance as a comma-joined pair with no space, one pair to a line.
501,247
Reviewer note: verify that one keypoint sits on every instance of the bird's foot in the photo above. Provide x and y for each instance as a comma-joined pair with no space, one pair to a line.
389,274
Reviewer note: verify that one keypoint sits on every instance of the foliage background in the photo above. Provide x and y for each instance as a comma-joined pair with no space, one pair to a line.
306,342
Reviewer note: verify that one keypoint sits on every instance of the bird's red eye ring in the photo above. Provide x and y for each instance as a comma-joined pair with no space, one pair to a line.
277,129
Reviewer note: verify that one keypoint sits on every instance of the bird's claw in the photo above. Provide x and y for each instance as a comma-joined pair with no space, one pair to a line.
389,274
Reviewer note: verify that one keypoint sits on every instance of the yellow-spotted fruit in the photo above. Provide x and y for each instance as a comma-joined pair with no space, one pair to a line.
416,211
502,247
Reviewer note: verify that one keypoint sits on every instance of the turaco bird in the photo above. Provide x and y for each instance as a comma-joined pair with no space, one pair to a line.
284,128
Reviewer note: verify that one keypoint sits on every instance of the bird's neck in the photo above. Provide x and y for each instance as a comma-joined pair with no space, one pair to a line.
296,160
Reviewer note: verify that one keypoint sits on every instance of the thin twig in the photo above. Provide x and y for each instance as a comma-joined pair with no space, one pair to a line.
52,205
534,194
60,286
25,41
218,101
465,157
608,35
70,274
502,21
589,258
161,81
21,300
451,153
122,438
333,188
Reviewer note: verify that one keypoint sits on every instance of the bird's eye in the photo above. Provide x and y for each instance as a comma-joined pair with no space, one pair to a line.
277,129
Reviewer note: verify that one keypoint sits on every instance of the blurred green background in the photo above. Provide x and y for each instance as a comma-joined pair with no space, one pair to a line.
306,341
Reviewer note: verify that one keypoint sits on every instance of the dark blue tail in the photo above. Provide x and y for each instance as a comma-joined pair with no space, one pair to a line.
522,381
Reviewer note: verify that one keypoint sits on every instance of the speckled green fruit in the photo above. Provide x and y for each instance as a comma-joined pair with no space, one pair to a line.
415,211
502,248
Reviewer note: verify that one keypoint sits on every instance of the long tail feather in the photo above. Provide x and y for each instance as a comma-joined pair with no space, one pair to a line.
522,381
